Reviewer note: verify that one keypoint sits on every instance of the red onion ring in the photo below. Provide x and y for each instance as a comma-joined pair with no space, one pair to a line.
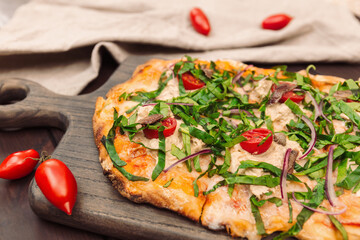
316,105
188,157
321,111
239,74
318,210
313,136
329,186
283,176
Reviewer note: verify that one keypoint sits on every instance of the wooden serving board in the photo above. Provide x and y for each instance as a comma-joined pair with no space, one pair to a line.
99,207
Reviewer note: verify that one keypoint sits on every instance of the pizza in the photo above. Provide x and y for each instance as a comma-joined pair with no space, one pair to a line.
236,147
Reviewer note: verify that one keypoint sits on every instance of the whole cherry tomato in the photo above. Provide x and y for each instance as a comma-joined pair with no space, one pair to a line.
168,123
199,21
190,82
254,143
58,184
276,22
19,164
293,96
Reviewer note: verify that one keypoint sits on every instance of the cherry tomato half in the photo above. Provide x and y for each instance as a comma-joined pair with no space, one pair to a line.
254,137
57,183
293,96
276,22
19,164
190,82
168,123
199,21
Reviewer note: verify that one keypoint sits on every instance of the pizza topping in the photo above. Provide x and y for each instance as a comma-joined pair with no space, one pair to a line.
342,95
317,110
280,138
283,92
151,119
169,128
190,82
208,72
329,186
204,151
292,158
257,140
341,211
239,75
283,175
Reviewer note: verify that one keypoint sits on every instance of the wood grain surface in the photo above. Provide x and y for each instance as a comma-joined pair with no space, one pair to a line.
99,207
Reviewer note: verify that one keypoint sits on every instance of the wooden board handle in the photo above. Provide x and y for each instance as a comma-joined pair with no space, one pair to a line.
25,103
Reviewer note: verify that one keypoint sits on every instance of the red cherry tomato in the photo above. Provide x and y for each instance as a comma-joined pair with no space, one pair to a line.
254,138
199,21
293,96
190,82
276,22
19,164
57,183
168,123
350,100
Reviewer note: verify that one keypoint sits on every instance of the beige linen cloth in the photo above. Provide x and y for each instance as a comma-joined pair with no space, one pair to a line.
57,42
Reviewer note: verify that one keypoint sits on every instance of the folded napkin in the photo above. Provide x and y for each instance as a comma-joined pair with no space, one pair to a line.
57,42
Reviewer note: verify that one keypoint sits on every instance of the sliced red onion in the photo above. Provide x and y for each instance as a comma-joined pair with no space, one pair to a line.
318,210
239,74
183,104
316,105
283,176
188,157
329,186
313,136
321,105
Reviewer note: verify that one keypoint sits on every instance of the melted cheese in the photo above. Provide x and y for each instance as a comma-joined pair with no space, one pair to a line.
260,91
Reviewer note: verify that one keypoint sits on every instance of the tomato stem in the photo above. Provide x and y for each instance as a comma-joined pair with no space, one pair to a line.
44,156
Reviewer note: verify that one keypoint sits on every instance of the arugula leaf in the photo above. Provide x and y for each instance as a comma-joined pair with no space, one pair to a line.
294,107
195,186
126,174
290,211
177,152
349,112
342,170
187,144
255,211
350,180
266,166
227,162
338,225
204,136
110,148
266,180
161,155
160,108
